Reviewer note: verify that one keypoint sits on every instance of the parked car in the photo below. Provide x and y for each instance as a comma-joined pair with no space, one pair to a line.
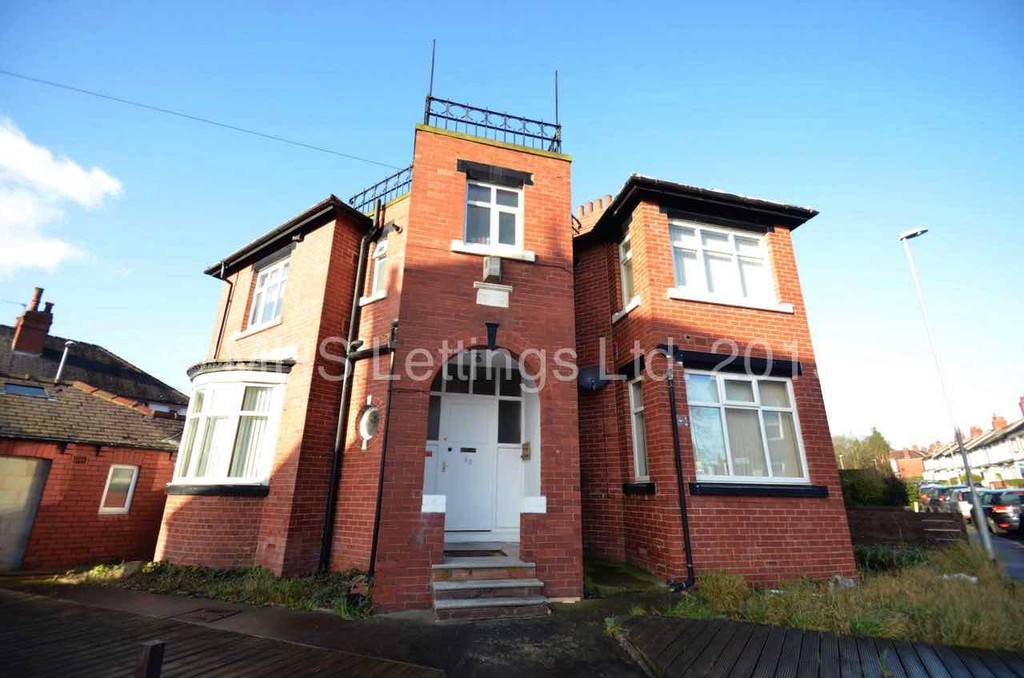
1003,513
941,499
962,496
927,494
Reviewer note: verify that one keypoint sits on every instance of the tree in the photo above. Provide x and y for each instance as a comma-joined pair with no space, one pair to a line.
869,452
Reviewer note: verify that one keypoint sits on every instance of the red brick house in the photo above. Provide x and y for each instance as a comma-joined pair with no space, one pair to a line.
392,386
82,469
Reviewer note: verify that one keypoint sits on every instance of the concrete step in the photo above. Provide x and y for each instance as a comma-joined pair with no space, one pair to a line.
487,588
490,608
461,569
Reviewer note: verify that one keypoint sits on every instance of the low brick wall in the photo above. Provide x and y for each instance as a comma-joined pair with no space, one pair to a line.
893,525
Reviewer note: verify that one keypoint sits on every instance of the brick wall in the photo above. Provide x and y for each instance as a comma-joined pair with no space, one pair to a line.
68,528
437,306
766,539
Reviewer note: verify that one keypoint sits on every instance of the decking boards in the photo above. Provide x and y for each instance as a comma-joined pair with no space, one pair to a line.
717,647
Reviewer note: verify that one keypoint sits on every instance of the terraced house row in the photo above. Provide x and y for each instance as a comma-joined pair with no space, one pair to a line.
458,383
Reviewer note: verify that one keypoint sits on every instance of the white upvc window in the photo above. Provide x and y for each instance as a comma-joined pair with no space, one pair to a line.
229,433
744,428
639,429
494,216
379,281
119,490
721,264
268,297
626,269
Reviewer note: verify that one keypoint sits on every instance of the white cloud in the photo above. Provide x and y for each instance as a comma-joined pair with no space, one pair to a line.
35,190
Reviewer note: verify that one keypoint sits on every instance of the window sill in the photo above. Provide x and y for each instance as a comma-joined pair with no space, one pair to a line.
249,331
215,490
114,512
644,488
366,301
633,303
683,295
492,251
741,489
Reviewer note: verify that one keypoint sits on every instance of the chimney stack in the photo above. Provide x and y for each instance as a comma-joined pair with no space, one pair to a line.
976,431
1022,406
32,326
998,422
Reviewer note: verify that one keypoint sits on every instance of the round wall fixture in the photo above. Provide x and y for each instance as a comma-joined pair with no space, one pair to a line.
369,423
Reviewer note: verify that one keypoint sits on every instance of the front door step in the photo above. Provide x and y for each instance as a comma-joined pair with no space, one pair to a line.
490,608
487,588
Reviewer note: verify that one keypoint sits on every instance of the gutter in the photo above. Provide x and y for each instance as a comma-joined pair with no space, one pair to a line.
674,584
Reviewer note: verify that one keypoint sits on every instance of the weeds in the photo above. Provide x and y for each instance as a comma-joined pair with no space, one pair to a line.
910,603
613,627
346,593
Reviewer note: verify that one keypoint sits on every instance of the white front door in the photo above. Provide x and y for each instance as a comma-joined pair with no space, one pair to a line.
466,469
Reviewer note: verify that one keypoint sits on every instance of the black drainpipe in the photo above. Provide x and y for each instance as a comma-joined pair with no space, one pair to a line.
392,345
224,316
674,583
351,349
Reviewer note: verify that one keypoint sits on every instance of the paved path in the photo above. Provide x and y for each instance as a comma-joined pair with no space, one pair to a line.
689,647
45,637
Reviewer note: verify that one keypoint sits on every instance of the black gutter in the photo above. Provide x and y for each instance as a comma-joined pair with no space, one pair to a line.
392,345
674,583
351,356
224,316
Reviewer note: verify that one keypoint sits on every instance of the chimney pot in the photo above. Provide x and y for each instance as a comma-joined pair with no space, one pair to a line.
607,201
590,207
37,295
579,211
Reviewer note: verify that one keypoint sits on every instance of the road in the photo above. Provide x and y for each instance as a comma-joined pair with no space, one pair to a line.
1009,551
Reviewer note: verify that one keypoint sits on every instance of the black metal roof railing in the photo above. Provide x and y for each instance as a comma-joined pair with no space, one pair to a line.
481,122
394,186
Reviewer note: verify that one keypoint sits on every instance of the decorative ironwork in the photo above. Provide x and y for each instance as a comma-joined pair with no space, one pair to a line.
481,122
398,184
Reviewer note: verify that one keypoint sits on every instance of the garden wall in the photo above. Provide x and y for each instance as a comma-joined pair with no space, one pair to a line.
893,525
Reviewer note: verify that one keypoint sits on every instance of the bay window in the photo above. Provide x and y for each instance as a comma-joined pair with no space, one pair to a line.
744,428
716,263
228,433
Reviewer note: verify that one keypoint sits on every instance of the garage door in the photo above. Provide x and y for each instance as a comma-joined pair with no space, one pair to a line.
21,486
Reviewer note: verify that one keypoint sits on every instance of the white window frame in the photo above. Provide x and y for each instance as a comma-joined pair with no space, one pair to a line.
378,279
698,290
636,388
227,404
259,300
119,510
495,210
756,406
629,301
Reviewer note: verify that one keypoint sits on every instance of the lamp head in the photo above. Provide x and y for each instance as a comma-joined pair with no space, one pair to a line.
913,233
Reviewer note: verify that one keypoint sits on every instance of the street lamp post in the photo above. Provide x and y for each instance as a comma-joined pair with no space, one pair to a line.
979,515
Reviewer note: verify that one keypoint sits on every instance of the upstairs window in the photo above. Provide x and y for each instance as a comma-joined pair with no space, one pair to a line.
379,282
626,269
744,428
227,433
268,297
718,263
494,216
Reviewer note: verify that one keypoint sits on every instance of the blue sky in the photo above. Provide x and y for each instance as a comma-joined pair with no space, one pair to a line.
881,115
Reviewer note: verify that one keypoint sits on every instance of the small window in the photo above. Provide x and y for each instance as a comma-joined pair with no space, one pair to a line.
626,269
494,216
117,495
721,263
25,390
268,297
379,282
639,428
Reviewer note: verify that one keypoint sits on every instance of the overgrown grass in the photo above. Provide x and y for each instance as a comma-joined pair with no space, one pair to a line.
882,557
913,602
346,593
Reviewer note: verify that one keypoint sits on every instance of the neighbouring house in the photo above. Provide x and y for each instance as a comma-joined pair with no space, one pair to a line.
82,469
996,455
455,384
908,463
